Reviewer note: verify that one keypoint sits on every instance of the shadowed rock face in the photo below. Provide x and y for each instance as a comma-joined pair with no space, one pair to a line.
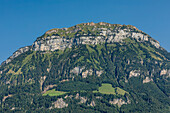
105,33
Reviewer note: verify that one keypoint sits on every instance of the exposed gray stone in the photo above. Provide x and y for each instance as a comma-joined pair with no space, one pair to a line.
155,43
140,36
134,73
119,102
42,79
84,74
52,43
5,97
92,103
87,72
77,96
163,72
82,100
77,70
60,103
99,73
147,79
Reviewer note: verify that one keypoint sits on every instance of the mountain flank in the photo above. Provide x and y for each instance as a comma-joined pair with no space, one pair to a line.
89,67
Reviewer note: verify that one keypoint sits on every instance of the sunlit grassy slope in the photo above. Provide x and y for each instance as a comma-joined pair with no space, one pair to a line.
108,89
54,93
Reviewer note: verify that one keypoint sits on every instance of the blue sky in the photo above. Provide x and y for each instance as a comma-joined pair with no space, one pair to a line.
22,21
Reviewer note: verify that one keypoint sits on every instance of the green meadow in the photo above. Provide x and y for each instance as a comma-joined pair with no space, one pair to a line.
108,89
53,92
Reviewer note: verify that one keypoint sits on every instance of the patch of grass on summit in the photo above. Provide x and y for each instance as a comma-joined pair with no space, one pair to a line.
53,92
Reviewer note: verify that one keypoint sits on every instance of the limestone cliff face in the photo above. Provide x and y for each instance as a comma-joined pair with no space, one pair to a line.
97,33
52,43
106,35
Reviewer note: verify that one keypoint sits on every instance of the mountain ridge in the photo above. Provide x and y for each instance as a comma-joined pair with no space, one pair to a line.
84,33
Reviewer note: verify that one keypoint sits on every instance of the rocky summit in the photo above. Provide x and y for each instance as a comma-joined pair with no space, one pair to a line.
85,33
89,67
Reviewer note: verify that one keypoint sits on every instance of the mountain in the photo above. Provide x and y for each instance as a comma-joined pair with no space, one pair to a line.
90,67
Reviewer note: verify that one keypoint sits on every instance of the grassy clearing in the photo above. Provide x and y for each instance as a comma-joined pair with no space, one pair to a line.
53,92
108,89
120,91
104,89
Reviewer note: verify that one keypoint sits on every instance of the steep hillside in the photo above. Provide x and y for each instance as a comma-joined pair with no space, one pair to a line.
89,67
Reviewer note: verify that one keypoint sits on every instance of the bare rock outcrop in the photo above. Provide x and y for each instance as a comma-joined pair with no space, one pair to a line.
87,72
60,103
134,73
42,79
92,103
54,42
5,97
147,79
163,72
84,74
98,73
119,102
82,99
77,96
77,70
